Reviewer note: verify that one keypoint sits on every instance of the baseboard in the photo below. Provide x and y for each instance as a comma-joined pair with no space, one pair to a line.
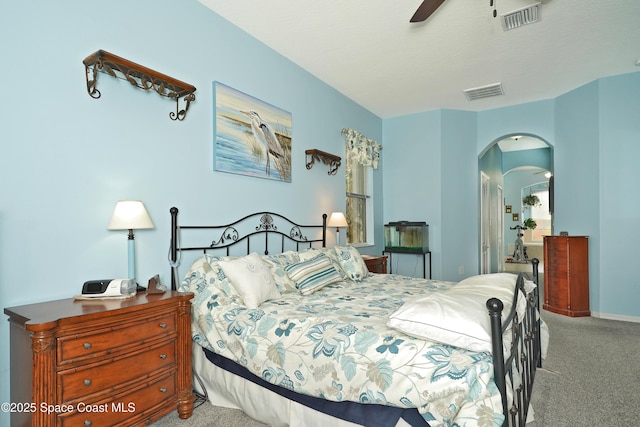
621,317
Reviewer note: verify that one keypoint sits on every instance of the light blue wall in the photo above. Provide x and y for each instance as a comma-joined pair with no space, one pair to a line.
460,178
594,133
413,189
576,176
67,158
619,204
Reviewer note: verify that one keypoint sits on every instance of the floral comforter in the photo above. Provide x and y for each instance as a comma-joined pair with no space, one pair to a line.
335,344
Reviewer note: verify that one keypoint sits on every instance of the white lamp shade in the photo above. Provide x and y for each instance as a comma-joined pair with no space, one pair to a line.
130,215
337,219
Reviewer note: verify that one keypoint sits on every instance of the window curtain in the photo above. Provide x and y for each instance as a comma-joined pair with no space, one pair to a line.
361,149
361,153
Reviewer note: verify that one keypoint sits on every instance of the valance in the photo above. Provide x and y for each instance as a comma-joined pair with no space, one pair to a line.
362,149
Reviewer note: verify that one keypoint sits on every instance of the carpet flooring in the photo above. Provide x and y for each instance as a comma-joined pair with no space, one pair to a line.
591,376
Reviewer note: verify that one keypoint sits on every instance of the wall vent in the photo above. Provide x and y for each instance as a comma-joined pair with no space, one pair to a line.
494,89
519,17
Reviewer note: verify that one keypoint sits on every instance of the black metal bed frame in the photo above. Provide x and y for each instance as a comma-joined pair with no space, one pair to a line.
517,370
225,236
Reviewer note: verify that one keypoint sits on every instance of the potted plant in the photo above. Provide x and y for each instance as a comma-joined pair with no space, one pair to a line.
531,200
530,223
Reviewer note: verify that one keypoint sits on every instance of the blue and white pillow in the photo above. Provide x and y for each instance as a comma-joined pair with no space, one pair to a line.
329,252
313,274
352,263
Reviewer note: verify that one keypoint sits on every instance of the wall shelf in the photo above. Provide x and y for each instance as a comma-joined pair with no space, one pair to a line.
139,76
328,159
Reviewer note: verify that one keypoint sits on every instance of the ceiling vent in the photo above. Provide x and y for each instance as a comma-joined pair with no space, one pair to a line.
519,17
494,89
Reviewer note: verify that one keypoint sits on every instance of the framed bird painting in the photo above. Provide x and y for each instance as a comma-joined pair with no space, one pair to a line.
251,137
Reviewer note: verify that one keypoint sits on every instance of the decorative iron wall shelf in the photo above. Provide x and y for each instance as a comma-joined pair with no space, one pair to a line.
139,76
328,159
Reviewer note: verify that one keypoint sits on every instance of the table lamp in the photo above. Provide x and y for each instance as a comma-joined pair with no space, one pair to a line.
337,220
130,215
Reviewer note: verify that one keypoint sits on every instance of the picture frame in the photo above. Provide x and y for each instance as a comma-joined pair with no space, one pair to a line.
515,217
507,209
251,137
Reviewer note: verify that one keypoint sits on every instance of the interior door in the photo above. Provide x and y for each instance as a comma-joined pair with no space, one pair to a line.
500,227
485,224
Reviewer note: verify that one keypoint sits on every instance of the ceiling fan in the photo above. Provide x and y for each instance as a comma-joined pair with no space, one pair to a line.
425,10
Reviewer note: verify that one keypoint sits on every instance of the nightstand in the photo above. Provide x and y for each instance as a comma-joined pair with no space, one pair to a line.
101,362
376,264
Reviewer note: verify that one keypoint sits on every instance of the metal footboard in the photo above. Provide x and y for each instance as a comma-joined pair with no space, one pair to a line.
514,372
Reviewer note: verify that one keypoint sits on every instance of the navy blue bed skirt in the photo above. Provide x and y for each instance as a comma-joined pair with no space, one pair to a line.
370,415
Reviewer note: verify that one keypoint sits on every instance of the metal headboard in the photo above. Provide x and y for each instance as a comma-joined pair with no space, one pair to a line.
247,230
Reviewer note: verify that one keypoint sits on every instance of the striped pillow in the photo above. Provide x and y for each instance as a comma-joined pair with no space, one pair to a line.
313,274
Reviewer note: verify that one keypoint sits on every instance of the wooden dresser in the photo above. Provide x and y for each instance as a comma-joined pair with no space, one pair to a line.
101,362
376,264
566,275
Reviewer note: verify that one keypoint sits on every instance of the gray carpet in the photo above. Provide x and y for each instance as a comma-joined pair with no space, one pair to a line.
591,377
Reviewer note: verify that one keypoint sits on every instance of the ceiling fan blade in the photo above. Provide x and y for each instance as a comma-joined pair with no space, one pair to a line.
425,10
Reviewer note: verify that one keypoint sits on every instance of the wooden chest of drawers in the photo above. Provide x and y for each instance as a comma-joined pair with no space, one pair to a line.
101,362
566,275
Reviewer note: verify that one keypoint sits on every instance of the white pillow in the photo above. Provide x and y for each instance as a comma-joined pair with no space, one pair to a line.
458,316
251,277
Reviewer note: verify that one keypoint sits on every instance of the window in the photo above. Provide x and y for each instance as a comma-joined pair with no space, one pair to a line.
359,203
363,155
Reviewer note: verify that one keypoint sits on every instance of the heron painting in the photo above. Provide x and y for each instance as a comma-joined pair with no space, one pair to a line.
252,137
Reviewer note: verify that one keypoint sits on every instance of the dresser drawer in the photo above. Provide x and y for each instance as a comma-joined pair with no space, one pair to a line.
114,373
123,407
114,337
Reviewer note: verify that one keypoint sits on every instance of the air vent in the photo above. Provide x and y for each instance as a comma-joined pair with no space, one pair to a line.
519,17
484,91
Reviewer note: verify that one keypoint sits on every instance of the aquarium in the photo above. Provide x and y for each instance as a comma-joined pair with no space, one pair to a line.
406,236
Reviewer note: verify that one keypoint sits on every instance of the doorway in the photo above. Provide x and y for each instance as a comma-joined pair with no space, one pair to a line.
485,221
509,166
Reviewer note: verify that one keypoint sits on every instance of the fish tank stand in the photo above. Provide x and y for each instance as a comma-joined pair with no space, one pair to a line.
425,255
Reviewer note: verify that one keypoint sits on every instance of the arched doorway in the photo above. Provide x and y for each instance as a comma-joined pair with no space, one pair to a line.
509,165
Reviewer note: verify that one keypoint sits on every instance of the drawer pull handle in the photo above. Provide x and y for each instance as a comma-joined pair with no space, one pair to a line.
87,423
163,356
87,345
163,389
87,383
163,325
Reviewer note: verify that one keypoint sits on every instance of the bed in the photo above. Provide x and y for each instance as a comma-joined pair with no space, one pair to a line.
295,333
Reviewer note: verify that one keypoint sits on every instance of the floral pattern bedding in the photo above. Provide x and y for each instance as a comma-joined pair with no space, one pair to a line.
335,344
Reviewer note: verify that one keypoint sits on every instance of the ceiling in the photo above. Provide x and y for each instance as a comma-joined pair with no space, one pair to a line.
521,142
368,50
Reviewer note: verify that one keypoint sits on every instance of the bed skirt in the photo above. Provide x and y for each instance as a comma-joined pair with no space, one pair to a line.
277,406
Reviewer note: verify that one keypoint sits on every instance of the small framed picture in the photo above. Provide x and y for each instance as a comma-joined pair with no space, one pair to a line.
507,209
515,217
